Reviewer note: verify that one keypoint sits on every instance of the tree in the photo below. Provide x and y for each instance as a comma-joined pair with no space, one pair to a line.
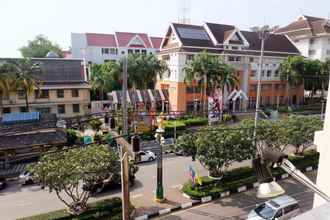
5,82
105,78
22,71
72,174
292,70
187,144
298,131
217,150
95,124
211,72
143,70
39,47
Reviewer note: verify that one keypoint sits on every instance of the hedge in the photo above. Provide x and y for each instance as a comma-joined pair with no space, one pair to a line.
243,176
108,209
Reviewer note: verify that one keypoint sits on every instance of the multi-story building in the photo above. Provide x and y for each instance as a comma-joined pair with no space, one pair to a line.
238,48
63,89
310,35
99,48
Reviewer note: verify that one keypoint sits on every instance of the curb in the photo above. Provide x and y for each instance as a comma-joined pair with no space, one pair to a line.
207,199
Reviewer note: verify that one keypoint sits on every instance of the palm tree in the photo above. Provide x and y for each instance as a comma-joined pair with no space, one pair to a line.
212,72
292,70
4,85
22,73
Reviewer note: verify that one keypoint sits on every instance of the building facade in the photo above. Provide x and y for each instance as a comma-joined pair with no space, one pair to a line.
240,49
100,48
63,90
311,35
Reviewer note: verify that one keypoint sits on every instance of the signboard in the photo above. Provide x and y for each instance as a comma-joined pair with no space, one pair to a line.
214,106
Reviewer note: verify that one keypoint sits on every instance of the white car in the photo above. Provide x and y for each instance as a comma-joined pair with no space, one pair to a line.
280,208
26,178
144,156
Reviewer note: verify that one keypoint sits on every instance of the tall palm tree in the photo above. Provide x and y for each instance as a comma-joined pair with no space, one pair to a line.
22,73
211,72
4,85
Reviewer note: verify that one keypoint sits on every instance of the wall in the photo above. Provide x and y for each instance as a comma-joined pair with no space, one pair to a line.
78,42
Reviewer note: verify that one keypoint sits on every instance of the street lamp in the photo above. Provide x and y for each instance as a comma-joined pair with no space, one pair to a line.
160,139
268,187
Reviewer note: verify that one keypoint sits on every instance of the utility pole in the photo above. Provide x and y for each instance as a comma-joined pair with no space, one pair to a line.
159,136
124,150
263,32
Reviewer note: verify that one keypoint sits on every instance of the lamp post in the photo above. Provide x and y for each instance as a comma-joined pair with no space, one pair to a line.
160,139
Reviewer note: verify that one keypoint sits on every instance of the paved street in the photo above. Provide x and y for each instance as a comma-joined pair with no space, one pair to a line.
238,206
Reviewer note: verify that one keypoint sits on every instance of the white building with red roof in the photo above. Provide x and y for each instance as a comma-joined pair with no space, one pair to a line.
100,48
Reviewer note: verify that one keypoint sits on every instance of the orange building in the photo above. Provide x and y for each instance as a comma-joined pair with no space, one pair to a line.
240,49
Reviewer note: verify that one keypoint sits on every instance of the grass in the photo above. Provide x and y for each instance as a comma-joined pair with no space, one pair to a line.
109,209
243,176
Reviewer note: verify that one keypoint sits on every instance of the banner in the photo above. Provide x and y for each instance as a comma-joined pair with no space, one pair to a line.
214,105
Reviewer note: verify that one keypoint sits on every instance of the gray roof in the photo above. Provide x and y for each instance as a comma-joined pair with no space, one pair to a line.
58,71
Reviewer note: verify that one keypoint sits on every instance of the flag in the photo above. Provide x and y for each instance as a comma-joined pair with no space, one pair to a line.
198,179
192,174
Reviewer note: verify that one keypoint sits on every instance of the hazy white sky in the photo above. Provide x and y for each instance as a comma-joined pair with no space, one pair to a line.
22,20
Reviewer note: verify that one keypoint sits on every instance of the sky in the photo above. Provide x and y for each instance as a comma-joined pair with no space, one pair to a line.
22,20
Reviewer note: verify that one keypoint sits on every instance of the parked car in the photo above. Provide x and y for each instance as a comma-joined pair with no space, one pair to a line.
144,156
280,208
26,178
3,183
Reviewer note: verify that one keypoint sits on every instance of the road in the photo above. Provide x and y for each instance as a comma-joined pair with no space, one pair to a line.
238,206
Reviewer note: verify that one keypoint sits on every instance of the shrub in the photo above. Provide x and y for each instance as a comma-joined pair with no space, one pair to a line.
226,118
198,121
72,136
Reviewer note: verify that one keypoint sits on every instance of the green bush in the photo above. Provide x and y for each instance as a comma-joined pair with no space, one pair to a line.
226,118
72,137
198,121
105,209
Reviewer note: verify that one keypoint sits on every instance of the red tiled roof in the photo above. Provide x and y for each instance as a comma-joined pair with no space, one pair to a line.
124,38
156,41
101,40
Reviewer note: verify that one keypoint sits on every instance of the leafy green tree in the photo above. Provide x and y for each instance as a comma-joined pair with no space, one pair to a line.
39,47
217,150
292,70
105,78
298,131
187,144
72,174
143,70
22,72
210,72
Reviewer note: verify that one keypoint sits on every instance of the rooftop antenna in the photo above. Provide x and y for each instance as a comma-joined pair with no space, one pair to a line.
184,12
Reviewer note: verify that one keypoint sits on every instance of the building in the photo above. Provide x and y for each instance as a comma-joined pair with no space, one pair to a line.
238,48
63,89
311,35
100,48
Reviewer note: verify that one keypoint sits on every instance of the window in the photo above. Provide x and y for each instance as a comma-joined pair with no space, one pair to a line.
144,52
105,50
75,93
312,41
61,109
21,94
251,59
60,93
42,94
253,73
290,208
113,51
234,48
278,214
311,52
276,73
43,110
137,51
23,109
234,59
263,73
123,52
6,110
75,108
129,51
269,73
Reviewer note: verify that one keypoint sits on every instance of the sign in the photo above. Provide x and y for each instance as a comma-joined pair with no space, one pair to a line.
214,106
88,139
